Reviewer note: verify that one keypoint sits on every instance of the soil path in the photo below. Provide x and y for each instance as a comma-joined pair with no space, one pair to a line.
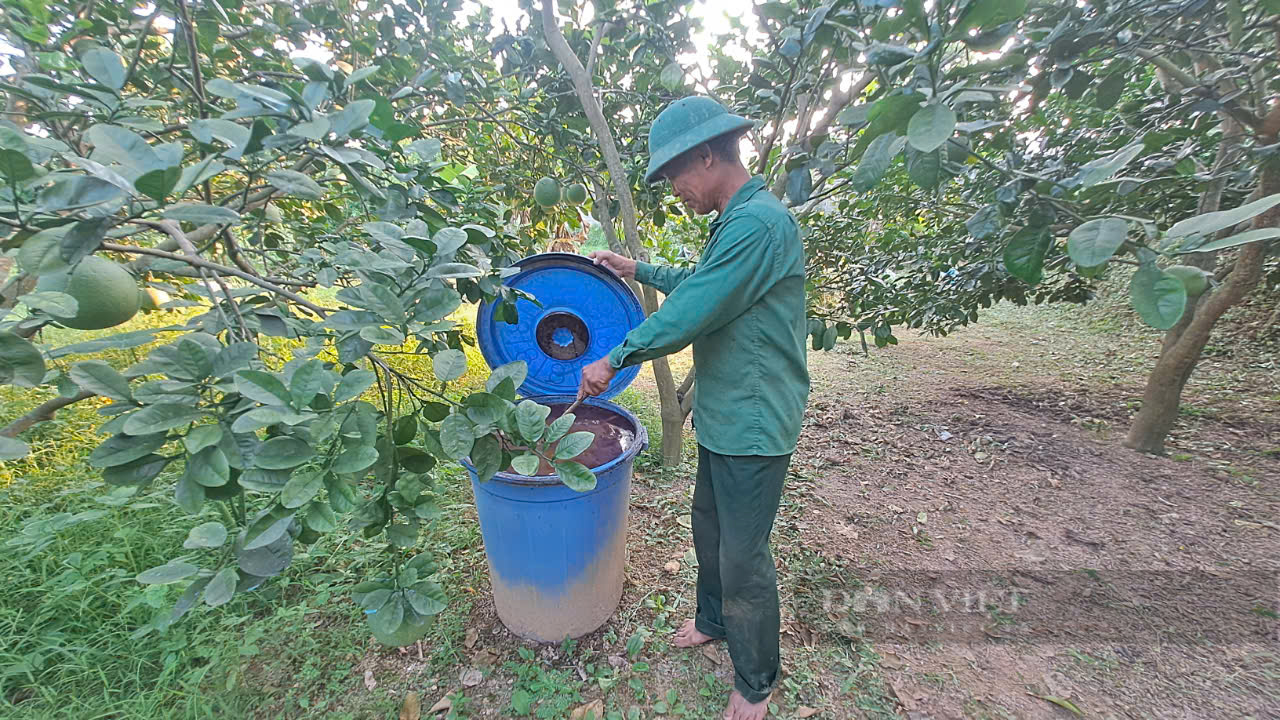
1012,558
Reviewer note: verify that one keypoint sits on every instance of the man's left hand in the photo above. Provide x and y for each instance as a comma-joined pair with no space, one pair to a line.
596,378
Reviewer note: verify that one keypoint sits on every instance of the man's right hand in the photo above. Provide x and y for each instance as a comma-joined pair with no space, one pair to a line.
620,265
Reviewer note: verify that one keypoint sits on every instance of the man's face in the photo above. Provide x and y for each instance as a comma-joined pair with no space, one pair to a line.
691,183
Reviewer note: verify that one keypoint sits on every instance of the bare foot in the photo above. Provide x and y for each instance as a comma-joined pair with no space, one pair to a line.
740,709
689,636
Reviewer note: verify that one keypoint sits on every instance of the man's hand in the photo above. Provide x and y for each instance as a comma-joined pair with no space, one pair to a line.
622,266
596,378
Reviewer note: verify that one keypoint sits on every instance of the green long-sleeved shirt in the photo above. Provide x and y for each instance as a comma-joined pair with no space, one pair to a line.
743,309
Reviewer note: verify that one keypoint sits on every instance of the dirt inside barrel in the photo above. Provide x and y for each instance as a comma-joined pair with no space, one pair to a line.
614,435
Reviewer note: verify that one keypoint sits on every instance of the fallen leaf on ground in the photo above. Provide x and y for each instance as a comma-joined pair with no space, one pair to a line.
672,567
1064,704
593,710
412,707
369,682
470,641
891,661
710,653
470,677
444,704
804,712
484,657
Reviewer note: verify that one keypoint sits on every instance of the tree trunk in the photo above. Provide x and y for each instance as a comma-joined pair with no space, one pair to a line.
1185,341
672,417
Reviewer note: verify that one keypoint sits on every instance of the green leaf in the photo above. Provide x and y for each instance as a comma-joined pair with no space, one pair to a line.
105,67
985,14
208,468
123,449
41,254
452,271
21,363
448,240
208,535
309,380
99,377
1096,171
189,495
202,437
82,239
876,161
351,118
356,459
292,182
1109,90
1220,220
161,418
517,371
574,444
77,191
236,136
985,222
486,456
382,335
320,517
1159,297
51,302
1092,243
114,144
387,619
139,472
456,437
157,184
521,701
531,420
261,417
930,127
924,168
526,464
15,166
167,574
576,476
263,387
672,76
799,185
301,488
221,588
558,427
1025,253
449,364
12,449
268,528
201,214
352,385
282,453
435,411
1243,238
403,535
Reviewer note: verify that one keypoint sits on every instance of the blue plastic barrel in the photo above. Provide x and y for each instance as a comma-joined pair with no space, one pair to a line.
556,555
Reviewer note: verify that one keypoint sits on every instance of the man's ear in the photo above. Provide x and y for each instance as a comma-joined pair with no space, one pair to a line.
707,157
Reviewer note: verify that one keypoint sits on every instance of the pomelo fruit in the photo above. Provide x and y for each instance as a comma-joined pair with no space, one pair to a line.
152,298
105,292
576,193
546,192
1195,280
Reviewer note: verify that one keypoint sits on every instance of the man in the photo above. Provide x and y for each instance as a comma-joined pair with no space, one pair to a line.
743,309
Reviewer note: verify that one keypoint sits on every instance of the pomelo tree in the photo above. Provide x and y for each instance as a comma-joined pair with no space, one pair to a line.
319,218
948,155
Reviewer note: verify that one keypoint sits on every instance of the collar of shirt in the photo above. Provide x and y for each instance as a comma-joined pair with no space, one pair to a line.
744,193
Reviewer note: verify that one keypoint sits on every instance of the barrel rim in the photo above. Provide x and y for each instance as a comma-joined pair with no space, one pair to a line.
641,442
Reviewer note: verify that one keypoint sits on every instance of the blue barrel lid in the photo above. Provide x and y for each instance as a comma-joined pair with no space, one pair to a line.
585,312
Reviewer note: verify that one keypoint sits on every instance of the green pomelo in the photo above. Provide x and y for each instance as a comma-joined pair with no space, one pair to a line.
546,192
1195,280
105,292
576,193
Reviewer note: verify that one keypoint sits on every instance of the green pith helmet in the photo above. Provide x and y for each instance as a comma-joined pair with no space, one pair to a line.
685,124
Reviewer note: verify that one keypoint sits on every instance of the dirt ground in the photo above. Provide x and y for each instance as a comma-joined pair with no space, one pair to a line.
963,536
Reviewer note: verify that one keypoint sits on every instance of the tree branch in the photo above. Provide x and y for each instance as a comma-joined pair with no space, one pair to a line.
42,412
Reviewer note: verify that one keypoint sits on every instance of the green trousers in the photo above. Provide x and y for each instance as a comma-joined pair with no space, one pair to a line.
735,500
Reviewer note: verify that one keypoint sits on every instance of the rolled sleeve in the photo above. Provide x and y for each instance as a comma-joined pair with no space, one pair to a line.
736,274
